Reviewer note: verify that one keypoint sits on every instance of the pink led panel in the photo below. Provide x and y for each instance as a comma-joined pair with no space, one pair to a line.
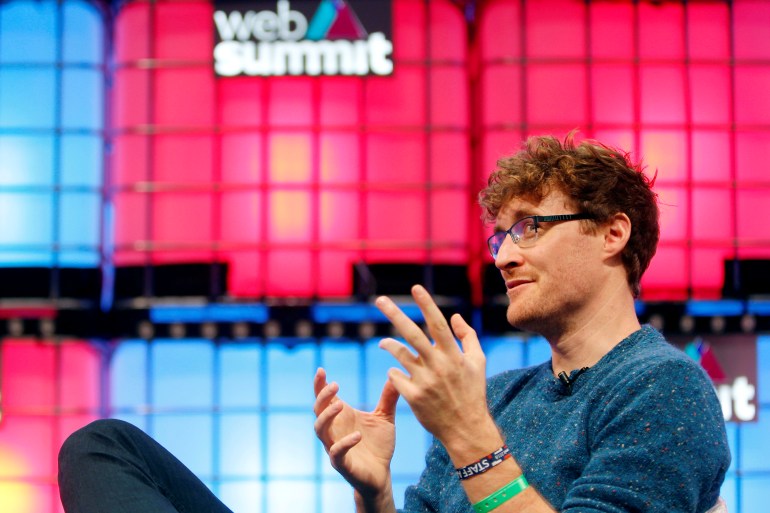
290,180
659,79
661,30
555,29
709,31
269,175
49,390
609,28
751,19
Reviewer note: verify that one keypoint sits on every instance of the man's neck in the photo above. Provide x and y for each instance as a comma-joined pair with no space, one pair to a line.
593,332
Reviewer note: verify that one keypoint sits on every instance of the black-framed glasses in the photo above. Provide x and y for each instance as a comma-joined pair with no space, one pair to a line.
524,231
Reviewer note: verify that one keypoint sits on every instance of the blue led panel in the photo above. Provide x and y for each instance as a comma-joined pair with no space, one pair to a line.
378,361
83,33
240,382
409,457
210,313
26,229
26,159
27,32
290,375
242,496
52,108
720,307
289,435
77,86
356,312
291,495
182,374
240,449
189,438
128,376
503,353
343,363
28,99
337,496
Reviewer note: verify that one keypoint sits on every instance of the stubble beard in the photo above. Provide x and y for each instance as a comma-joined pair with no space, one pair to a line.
524,316
544,316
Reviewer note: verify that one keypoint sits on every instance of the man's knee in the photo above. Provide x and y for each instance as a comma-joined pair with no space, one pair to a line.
97,435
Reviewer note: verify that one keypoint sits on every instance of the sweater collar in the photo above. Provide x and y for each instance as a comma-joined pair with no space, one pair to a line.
571,383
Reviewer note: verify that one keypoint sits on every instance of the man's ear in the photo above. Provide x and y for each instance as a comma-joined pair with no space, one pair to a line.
616,234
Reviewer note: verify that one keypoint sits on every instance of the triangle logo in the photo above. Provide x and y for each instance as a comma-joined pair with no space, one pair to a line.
335,19
702,353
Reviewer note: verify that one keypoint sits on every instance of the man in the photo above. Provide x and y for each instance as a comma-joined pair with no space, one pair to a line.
616,421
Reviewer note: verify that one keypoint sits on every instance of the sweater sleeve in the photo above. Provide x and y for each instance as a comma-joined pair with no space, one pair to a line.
648,438
438,489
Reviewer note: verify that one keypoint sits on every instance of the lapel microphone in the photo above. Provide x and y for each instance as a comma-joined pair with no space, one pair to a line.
566,381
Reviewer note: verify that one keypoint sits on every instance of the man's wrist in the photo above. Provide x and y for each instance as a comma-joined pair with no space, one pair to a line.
380,501
484,464
466,448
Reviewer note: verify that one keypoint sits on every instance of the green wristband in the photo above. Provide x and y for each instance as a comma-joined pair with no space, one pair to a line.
505,493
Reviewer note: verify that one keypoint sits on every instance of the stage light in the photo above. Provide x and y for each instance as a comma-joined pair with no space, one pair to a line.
303,329
366,330
145,330
15,328
686,324
656,321
209,330
47,328
177,330
240,330
335,329
272,329
718,324
748,323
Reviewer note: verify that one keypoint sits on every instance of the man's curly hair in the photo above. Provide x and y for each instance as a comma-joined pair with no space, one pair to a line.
600,180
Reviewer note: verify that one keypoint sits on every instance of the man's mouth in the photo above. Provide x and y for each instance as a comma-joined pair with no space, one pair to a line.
512,284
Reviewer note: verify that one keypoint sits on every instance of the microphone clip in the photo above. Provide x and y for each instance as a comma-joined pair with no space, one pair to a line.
567,382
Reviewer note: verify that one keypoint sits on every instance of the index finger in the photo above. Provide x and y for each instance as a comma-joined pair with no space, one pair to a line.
405,326
319,380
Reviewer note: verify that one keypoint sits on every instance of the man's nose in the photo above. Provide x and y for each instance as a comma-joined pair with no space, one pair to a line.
509,254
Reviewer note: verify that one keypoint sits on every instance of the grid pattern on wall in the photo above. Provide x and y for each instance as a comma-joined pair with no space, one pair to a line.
286,173
246,408
683,84
48,389
248,171
52,105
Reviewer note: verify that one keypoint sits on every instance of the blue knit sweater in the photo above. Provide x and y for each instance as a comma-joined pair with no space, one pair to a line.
640,431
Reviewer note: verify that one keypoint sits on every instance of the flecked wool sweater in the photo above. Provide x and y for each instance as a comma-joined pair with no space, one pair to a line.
640,431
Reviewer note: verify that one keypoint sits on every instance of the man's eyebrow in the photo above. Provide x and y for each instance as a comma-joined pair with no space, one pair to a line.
517,216
498,228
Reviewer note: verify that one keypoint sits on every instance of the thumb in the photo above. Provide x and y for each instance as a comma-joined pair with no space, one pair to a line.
388,399
466,334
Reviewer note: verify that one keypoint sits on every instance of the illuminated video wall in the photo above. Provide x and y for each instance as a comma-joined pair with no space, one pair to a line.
118,146
289,180
270,175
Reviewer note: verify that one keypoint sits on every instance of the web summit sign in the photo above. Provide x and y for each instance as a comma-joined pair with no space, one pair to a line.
302,37
731,363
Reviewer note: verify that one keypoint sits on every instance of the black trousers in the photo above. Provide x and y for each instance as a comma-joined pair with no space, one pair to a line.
110,466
